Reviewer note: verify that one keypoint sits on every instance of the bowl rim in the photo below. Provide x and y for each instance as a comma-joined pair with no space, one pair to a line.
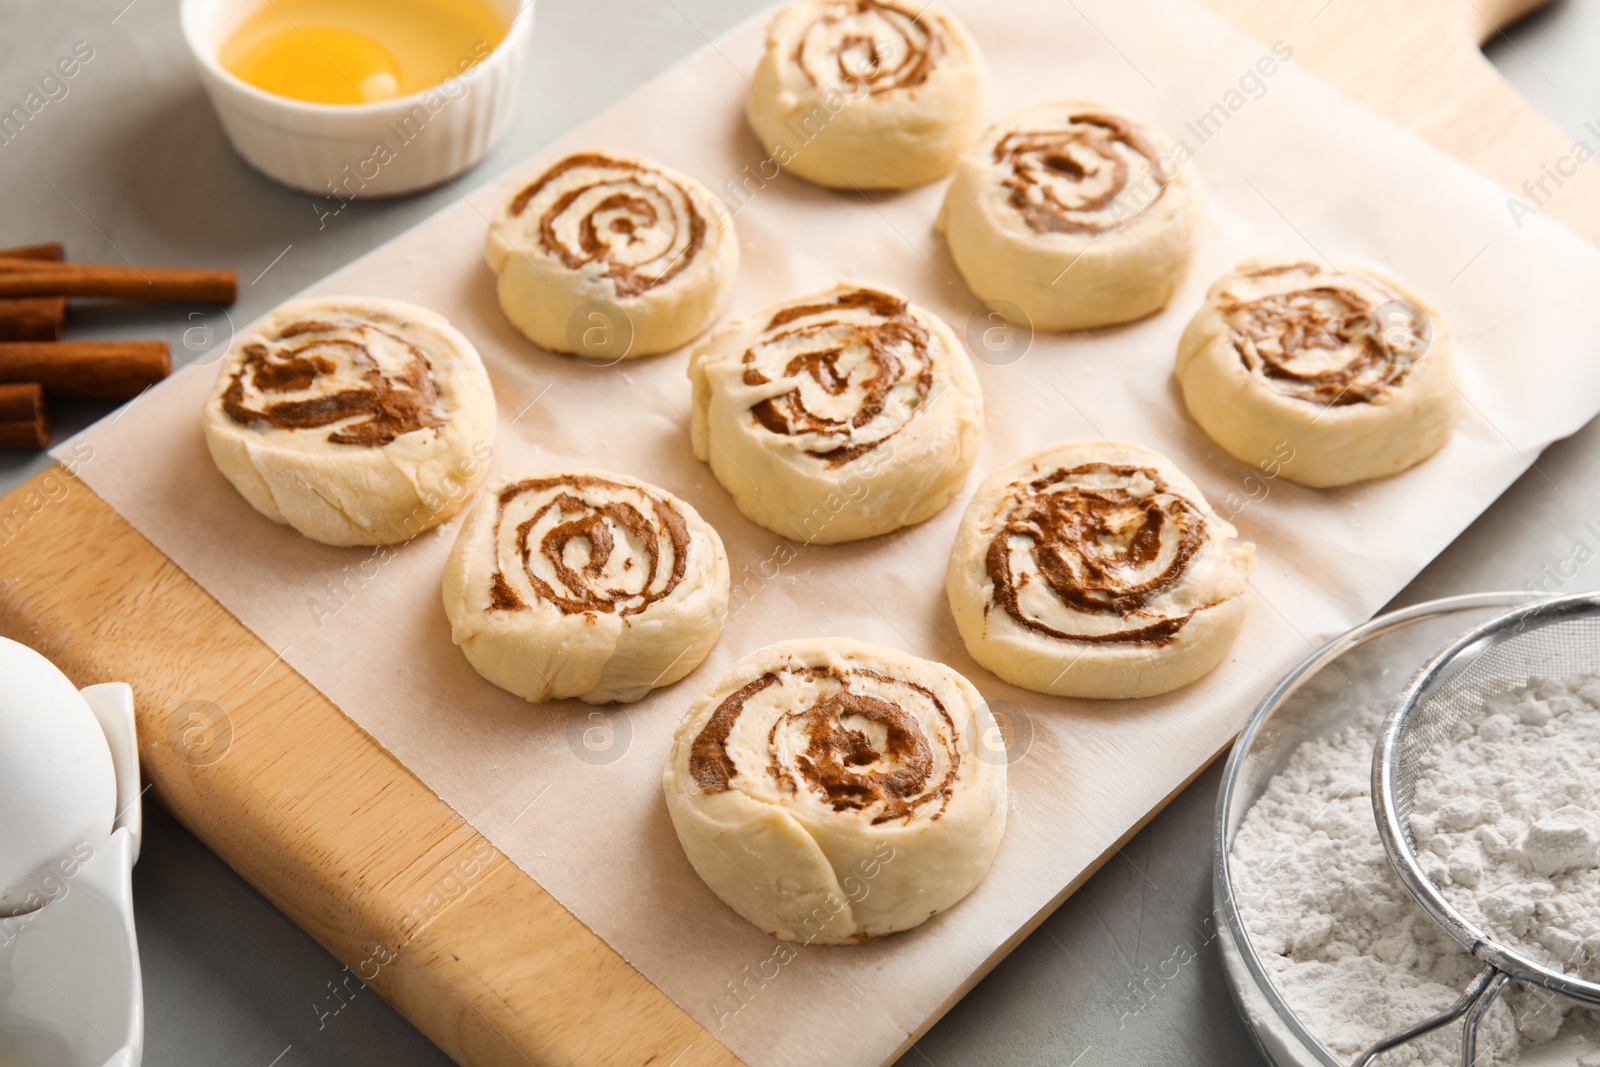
1224,900
518,32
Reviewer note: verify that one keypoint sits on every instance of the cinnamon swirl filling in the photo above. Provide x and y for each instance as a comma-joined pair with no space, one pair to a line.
1087,553
366,382
1092,173
638,226
854,739
586,545
1329,338
870,45
857,367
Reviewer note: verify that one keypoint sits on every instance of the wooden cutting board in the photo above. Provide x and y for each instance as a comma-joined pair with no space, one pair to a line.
365,857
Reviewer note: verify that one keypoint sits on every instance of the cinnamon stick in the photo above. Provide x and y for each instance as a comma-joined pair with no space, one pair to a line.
25,277
24,419
34,318
41,318
100,370
39,259
50,252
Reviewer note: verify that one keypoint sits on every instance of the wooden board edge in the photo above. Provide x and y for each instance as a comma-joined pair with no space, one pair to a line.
1050,908
1419,63
1429,75
223,745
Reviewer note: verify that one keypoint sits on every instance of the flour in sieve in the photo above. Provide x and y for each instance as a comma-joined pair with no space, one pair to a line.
1353,955
1507,821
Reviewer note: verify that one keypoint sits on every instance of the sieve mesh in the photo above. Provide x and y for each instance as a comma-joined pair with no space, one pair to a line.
1550,639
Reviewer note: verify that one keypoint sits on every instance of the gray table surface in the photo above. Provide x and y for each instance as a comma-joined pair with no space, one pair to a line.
132,163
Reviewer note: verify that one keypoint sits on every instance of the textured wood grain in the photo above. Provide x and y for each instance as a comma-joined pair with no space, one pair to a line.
312,812
1418,62
360,853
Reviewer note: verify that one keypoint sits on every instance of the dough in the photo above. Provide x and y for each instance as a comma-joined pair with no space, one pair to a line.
589,585
356,421
1326,376
839,415
607,256
832,791
870,94
1096,569
1076,212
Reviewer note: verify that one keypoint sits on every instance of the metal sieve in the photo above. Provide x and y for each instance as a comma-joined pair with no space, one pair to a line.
1549,639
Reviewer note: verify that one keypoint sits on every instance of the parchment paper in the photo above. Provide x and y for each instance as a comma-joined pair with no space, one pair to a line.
573,795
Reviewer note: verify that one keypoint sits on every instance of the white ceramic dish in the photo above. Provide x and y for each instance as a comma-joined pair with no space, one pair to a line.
71,993
346,151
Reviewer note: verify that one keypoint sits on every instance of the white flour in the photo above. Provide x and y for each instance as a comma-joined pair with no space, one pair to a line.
1351,952
1507,821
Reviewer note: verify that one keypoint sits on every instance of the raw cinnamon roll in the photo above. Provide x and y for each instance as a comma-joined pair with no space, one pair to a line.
588,585
607,255
832,791
840,415
1078,213
1327,376
354,420
1096,569
871,94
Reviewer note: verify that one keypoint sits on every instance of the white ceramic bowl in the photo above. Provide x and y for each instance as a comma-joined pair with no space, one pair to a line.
346,151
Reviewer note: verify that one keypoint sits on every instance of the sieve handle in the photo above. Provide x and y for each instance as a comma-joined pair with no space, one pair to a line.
1469,1032
1476,1000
